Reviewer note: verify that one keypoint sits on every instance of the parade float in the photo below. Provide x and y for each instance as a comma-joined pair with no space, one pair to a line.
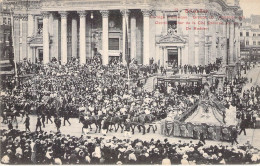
207,116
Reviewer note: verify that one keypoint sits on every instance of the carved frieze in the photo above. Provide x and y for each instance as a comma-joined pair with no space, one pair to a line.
82,13
146,12
104,13
170,38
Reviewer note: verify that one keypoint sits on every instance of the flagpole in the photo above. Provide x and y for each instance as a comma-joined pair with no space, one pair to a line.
15,65
126,49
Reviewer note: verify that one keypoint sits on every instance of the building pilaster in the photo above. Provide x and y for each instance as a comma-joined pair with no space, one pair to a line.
45,34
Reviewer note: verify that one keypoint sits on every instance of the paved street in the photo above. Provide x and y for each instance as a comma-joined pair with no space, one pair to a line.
75,130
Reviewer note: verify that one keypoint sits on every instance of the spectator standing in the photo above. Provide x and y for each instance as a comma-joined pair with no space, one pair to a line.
38,124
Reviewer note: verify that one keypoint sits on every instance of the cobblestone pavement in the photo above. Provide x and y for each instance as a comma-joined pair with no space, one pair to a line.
75,129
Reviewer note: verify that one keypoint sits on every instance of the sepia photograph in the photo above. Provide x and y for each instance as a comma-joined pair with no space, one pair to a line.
129,82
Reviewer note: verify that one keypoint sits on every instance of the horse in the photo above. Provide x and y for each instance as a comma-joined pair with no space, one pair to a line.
138,121
87,122
150,118
119,120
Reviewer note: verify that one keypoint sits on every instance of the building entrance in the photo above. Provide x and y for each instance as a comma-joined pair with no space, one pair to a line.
172,57
40,55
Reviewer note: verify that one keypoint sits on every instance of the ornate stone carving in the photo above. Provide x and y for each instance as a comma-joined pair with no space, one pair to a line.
16,17
104,13
24,17
125,12
45,14
171,38
82,13
63,14
146,12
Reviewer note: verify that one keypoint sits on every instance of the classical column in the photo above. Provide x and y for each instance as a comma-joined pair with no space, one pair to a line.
224,43
30,32
146,32
179,56
191,43
74,37
104,14
201,42
231,42
64,50
133,37
236,37
45,34
24,18
82,36
125,18
214,39
17,37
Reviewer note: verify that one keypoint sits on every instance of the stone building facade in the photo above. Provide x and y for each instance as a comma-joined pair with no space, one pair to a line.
170,32
250,39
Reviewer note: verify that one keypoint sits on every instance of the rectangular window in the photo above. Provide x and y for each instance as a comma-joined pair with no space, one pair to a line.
247,42
40,26
9,21
258,42
254,34
254,42
247,33
172,24
4,21
241,33
113,44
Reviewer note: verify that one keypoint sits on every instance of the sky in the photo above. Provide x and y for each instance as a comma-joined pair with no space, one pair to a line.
250,7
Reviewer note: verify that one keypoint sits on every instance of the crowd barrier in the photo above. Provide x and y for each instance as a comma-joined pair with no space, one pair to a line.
190,130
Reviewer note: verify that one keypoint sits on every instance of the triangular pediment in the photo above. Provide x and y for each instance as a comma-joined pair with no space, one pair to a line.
171,39
36,40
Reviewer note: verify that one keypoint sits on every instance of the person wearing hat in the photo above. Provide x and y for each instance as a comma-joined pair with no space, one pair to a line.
243,126
57,122
105,126
234,135
38,123
127,128
27,123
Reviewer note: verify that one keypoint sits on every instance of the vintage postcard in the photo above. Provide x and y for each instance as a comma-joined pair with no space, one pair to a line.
122,82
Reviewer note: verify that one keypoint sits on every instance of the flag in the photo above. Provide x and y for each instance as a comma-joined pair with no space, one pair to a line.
127,56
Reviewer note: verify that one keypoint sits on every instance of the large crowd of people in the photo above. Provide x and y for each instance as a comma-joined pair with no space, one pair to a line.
20,147
70,90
